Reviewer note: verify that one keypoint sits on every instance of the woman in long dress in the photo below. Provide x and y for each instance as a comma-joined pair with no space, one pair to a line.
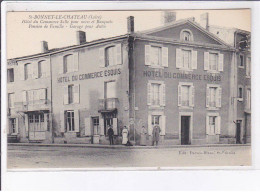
143,136
124,135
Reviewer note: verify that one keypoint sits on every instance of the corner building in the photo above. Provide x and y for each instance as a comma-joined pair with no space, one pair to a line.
178,76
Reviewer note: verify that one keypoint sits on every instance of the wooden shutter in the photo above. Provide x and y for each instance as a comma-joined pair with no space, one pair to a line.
87,126
101,124
179,95
43,93
149,94
219,93
65,95
76,93
24,96
76,120
61,62
207,97
194,59
115,126
102,57
45,121
26,122
165,56
21,67
150,130
163,120
47,68
118,53
179,59
147,55
218,125
207,125
206,60
16,125
35,70
191,96
220,62
76,61
162,95
62,121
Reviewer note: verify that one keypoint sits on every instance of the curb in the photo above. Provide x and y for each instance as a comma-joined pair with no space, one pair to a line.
125,147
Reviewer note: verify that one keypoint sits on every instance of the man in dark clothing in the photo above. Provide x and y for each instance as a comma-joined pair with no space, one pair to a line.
110,135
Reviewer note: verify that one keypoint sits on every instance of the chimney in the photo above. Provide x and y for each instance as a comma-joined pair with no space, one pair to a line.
168,17
44,46
204,20
81,37
130,24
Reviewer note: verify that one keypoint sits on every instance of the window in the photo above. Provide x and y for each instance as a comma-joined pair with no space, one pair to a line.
12,125
110,56
70,124
186,55
27,68
43,69
71,94
95,121
213,99
248,67
156,93
186,95
248,99
38,96
240,93
186,35
155,120
110,89
68,64
213,61
241,61
156,56
10,75
186,59
11,100
213,124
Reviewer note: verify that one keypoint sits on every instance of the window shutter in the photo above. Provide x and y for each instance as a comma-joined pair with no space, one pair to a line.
179,95
179,58
47,68
207,97
66,95
194,59
45,121
191,96
76,94
16,125
76,61
163,120
101,124
22,66
118,52
165,56
207,125
24,96
220,62
162,95
247,66
147,55
218,125
76,120
219,93
61,62
149,94
101,57
26,123
88,126
35,70
62,121
43,94
206,60
115,126
150,130
30,71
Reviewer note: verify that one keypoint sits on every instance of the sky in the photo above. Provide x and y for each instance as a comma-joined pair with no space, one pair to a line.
22,41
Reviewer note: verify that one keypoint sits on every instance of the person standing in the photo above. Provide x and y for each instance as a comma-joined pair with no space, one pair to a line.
124,135
156,134
143,136
111,135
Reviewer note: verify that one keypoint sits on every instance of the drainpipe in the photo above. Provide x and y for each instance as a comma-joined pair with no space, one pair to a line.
51,127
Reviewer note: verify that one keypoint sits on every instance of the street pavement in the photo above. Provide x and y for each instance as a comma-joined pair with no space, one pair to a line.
90,157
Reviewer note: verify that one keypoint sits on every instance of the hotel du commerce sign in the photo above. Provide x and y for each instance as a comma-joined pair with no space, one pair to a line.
209,77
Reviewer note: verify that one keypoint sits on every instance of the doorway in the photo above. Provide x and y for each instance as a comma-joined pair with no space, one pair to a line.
238,131
37,126
185,130
108,120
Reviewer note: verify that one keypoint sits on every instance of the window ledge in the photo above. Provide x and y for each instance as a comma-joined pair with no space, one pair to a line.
247,76
241,67
248,111
185,70
186,107
240,99
213,108
155,107
213,71
156,67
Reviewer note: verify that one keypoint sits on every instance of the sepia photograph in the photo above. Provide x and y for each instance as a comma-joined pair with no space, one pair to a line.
126,89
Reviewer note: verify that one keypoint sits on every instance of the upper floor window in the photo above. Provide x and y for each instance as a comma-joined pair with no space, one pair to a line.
68,63
156,56
186,95
213,98
110,55
156,93
38,96
186,59
248,99
213,61
11,100
43,69
241,61
110,89
71,94
28,71
186,35
10,75
248,67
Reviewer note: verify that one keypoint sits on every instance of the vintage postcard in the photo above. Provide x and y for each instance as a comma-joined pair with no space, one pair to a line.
113,89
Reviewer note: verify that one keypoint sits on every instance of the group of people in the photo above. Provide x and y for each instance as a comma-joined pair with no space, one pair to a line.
125,135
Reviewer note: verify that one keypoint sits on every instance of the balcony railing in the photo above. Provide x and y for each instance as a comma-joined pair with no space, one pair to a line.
32,105
108,104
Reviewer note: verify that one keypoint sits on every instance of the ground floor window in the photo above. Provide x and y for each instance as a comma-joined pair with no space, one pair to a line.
95,122
213,124
70,124
36,122
12,125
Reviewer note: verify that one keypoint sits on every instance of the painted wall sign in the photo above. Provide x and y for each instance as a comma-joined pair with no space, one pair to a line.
98,74
189,76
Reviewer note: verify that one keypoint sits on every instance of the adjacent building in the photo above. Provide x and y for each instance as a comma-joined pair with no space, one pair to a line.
180,76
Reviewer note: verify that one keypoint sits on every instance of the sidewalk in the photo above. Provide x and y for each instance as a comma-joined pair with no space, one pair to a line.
124,147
